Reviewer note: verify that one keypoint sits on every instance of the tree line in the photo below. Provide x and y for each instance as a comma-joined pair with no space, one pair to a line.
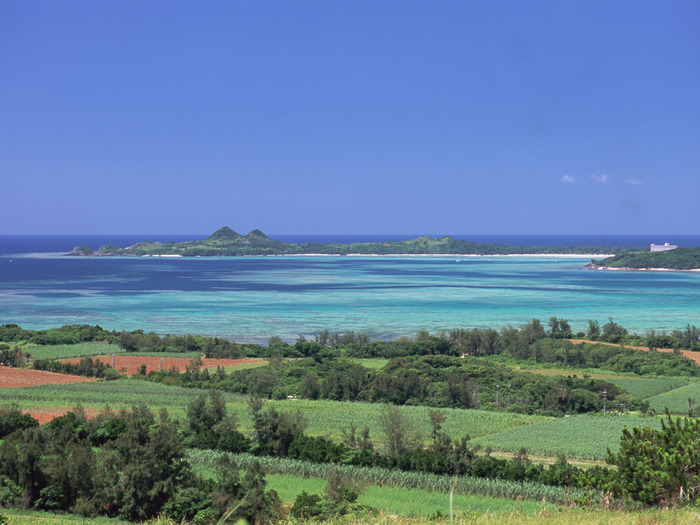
473,341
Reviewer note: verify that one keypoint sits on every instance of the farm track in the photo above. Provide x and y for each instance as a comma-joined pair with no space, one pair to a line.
693,356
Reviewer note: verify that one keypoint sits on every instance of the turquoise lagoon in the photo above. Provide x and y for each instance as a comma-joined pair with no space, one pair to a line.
252,298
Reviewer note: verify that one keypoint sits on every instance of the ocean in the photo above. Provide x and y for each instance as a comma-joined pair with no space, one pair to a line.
253,298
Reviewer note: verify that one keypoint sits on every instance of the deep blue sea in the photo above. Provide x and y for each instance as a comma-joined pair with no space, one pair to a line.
252,298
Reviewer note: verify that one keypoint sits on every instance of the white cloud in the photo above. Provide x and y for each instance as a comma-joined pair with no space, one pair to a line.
634,182
600,179
567,179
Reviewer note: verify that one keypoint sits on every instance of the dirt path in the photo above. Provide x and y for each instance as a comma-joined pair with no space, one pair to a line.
693,356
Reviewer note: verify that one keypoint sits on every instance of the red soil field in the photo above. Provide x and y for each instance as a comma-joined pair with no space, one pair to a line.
44,415
18,377
129,364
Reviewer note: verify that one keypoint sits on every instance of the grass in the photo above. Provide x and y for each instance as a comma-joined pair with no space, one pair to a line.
644,388
330,417
587,373
324,417
583,436
35,517
96,395
548,515
204,462
677,400
77,350
373,363
403,501
245,366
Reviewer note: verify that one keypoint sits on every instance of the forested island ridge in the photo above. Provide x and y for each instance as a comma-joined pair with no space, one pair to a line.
679,259
226,242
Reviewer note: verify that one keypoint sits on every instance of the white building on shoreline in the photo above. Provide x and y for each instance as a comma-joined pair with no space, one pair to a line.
663,247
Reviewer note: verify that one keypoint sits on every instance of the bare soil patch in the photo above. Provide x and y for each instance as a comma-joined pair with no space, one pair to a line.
130,364
19,377
44,415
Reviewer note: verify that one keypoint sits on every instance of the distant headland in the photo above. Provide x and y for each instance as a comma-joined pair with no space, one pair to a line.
225,242
669,259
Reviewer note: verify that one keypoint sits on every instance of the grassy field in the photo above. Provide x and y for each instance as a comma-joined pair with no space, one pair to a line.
93,349
645,388
77,350
372,363
406,502
204,462
584,436
324,417
245,366
97,395
677,400
330,417
587,373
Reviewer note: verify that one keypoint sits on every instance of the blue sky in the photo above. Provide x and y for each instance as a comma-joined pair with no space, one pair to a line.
350,116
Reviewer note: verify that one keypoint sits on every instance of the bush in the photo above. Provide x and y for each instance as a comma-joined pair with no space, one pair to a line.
659,467
12,419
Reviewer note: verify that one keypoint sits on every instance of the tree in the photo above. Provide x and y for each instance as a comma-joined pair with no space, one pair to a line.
593,331
613,332
659,467
399,434
275,430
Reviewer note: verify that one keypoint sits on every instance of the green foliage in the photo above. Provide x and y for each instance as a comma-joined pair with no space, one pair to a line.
139,471
12,418
209,426
678,259
433,380
87,367
13,357
659,466
226,242
398,478
275,430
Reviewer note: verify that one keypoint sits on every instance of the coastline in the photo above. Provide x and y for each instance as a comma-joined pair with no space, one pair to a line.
470,255
629,269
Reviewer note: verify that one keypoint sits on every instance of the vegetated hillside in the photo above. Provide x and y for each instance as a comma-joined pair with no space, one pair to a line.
678,259
227,242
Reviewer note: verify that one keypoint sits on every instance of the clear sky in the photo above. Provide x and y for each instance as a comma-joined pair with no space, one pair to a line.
335,116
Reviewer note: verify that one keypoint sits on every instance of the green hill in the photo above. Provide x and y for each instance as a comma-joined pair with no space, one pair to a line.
678,259
227,242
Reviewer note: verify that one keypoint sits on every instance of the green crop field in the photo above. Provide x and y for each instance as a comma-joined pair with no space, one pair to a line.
404,501
96,395
330,417
645,388
204,460
584,436
77,350
245,366
677,400
324,417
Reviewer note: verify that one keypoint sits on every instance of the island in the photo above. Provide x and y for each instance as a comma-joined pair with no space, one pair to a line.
227,242
679,259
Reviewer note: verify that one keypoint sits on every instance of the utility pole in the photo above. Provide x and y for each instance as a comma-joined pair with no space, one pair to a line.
605,398
497,387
